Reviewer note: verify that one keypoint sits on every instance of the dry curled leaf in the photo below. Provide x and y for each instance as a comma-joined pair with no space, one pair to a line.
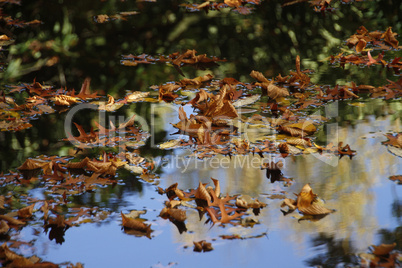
202,246
64,100
135,224
306,203
26,212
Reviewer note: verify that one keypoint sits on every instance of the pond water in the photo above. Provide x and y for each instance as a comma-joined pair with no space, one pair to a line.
367,203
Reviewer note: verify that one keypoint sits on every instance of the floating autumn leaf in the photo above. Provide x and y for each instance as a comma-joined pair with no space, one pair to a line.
307,203
136,96
389,38
345,150
14,125
11,220
397,179
246,201
2,201
12,259
394,140
174,214
4,227
107,167
85,92
202,246
136,225
64,100
361,44
32,164
166,92
383,249
111,105
172,192
26,212
268,87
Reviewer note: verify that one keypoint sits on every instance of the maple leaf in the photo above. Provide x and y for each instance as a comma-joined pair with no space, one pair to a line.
345,150
395,141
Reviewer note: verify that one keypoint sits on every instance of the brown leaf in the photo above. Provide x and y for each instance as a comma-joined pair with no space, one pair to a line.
397,179
64,100
315,209
360,45
7,254
217,187
389,37
259,76
45,210
2,200
3,227
26,212
31,164
136,96
177,214
307,204
383,249
291,203
134,224
11,220
305,142
202,246
202,193
394,140
85,92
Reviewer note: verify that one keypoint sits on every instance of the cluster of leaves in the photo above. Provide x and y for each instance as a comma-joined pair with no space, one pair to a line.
363,42
212,129
207,201
125,133
240,6
220,210
8,20
187,58
41,100
12,259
